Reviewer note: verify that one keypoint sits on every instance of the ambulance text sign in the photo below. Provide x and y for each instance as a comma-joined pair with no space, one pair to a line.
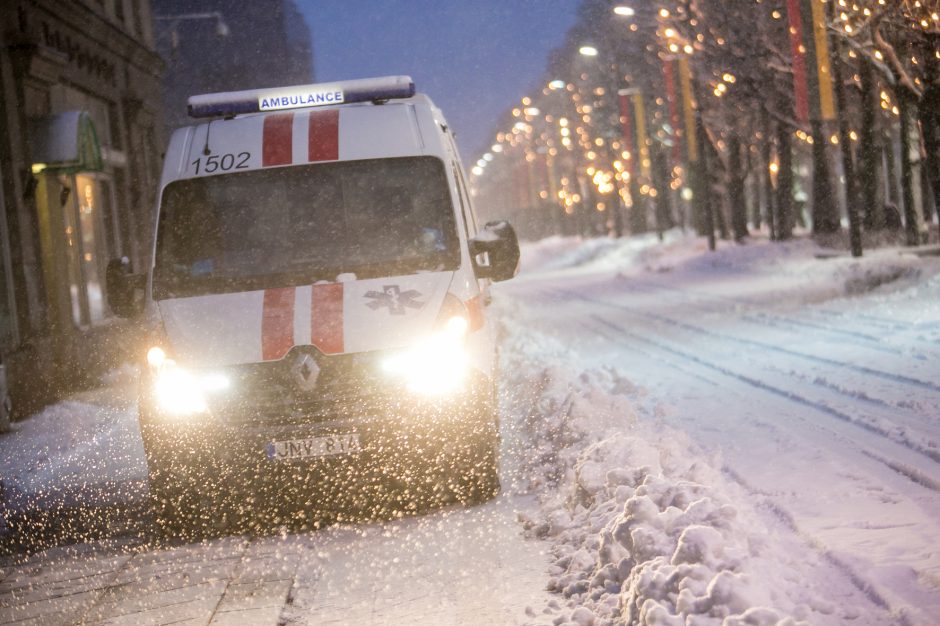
295,98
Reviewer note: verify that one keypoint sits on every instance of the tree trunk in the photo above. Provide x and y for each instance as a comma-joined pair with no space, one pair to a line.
638,210
870,156
736,189
704,181
784,194
825,212
616,206
848,157
911,226
892,192
930,127
767,181
720,213
663,207
753,188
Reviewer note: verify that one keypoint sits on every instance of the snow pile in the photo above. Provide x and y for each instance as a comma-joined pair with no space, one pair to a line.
561,253
642,526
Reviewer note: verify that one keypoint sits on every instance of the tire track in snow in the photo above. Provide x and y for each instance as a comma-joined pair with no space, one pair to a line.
786,323
897,437
882,322
766,319
855,336
897,378
867,588
922,418
852,394
793,397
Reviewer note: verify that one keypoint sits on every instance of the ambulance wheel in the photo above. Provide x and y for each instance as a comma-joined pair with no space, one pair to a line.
479,480
174,497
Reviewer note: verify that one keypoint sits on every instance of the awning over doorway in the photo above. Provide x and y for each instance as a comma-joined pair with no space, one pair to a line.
65,143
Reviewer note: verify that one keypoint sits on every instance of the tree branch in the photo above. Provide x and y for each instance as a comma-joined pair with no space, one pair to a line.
901,75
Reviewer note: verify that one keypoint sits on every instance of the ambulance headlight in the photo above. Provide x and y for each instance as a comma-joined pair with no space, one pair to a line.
437,365
178,391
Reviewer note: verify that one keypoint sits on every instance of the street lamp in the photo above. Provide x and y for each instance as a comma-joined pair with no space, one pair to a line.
588,51
624,11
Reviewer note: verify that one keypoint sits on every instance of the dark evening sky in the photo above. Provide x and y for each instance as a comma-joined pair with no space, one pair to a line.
475,58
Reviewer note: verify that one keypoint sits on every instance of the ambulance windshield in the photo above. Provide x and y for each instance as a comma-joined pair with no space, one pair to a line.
296,225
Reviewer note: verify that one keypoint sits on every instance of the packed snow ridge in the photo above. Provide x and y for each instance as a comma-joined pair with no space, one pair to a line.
641,534
648,526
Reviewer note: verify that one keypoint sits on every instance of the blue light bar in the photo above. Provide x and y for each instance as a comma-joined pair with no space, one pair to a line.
298,96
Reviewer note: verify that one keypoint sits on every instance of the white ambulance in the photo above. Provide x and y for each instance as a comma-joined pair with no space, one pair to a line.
317,300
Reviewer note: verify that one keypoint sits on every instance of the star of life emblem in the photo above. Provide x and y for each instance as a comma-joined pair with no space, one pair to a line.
305,372
394,298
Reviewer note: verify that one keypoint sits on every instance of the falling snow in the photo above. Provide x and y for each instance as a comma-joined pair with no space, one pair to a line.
730,438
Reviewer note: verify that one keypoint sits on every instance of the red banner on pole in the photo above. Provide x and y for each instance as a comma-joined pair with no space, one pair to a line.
798,52
812,75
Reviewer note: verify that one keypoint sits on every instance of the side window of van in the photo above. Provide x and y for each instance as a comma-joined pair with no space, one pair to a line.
466,193
466,209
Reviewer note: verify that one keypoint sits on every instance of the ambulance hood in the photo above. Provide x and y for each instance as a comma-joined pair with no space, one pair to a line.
340,317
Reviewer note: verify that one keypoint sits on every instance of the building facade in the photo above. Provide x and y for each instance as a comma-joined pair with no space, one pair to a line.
80,145
228,45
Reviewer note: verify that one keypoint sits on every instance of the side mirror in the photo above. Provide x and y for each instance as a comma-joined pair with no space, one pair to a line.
122,287
499,242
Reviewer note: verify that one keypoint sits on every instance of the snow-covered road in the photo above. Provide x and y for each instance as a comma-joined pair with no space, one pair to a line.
813,390
744,437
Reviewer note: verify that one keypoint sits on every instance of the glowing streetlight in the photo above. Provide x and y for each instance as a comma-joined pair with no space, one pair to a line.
588,51
624,11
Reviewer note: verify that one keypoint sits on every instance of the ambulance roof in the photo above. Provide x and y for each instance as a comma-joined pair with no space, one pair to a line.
370,128
229,103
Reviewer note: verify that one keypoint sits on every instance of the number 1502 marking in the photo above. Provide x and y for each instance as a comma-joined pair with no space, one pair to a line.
221,162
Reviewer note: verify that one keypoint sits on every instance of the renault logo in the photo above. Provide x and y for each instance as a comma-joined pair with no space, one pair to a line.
305,372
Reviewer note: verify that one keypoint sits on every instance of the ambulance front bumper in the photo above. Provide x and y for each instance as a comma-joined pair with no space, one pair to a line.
271,457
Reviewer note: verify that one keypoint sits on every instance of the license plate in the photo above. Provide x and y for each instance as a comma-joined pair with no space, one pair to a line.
296,449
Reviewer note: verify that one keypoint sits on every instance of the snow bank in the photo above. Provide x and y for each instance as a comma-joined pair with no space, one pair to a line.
642,524
560,253
639,536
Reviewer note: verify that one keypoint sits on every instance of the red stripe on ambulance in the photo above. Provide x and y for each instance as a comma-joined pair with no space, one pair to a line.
323,139
277,323
277,139
326,318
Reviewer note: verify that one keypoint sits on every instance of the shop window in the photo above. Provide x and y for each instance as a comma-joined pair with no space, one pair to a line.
83,206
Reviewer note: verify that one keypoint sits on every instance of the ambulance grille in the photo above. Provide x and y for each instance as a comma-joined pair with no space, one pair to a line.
347,386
